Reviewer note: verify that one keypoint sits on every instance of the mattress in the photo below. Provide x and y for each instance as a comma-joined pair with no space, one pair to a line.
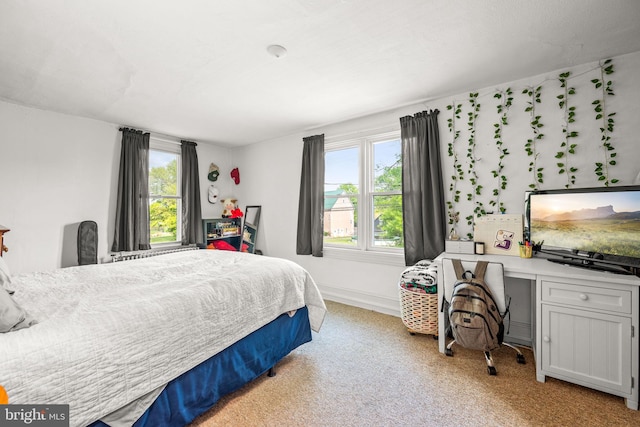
111,333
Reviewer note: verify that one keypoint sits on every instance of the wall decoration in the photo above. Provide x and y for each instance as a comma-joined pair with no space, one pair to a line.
606,128
530,147
452,213
566,147
502,108
502,129
212,194
214,172
235,175
476,190
500,233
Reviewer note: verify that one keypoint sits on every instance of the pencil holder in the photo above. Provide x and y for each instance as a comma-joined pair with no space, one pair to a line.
526,251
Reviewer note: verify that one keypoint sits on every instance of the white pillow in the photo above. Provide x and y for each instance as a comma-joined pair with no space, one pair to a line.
5,276
12,316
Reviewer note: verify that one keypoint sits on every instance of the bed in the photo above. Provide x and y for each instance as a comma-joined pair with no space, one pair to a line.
155,340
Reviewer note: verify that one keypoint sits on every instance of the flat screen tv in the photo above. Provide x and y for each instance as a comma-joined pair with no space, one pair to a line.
595,228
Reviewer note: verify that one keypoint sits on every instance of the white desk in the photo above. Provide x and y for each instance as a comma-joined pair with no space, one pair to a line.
584,323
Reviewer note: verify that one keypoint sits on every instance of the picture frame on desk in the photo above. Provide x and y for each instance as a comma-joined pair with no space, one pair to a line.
501,234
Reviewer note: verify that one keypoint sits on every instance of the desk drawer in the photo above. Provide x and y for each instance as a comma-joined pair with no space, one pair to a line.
613,300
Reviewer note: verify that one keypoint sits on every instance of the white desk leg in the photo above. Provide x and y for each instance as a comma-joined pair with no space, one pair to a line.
537,338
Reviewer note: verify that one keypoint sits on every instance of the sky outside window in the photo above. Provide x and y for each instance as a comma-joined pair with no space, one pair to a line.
341,166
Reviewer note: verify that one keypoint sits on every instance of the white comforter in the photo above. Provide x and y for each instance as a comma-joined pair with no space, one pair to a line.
110,333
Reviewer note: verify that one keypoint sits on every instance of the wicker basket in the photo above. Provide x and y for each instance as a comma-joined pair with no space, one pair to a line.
419,311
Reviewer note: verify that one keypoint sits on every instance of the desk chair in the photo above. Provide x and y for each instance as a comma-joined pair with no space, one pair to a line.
494,278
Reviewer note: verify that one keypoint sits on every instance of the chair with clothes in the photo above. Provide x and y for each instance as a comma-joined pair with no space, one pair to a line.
493,275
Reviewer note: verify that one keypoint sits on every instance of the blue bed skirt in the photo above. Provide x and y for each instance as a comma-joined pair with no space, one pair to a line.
197,390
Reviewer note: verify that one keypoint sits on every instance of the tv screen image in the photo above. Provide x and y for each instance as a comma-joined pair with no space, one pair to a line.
599,223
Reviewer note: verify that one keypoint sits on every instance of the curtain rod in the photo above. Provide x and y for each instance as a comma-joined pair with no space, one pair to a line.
162,138
387,128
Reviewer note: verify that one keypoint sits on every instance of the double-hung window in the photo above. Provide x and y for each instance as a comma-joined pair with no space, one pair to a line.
165,199
363,196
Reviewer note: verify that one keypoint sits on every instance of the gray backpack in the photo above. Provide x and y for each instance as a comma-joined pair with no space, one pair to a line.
475,320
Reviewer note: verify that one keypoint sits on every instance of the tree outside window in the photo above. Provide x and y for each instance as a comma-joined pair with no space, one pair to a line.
164,197
387,194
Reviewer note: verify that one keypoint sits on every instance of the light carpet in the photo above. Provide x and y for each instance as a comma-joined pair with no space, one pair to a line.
365,369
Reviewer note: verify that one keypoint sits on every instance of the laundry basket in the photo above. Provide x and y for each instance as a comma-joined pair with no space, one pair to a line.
419,298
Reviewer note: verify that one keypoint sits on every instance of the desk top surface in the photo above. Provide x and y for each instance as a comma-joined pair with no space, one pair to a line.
531,268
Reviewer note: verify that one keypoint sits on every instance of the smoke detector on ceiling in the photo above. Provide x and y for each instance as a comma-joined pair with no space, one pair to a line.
276,50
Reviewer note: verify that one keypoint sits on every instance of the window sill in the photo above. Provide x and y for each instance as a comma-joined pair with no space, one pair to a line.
372,257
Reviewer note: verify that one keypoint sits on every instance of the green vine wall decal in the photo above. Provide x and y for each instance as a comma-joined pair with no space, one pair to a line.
536,125
470,174
476,190
566,147
453,214
606,129
506,100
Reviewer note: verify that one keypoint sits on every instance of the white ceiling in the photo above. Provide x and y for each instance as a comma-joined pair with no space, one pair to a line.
199,69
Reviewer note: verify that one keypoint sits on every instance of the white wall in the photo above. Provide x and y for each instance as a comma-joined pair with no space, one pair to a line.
221,156
57,170
589,147
271,169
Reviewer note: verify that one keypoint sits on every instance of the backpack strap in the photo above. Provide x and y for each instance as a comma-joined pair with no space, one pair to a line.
458,268
478,274
481,268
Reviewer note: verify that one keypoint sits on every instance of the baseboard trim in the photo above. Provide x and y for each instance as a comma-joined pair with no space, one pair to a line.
361,299
519,332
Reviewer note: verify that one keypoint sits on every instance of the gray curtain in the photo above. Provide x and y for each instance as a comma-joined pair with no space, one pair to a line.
132,209
191,212
422,193
311,203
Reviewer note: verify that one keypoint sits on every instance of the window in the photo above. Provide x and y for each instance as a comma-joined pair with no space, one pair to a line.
341,194
363,194
165,209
